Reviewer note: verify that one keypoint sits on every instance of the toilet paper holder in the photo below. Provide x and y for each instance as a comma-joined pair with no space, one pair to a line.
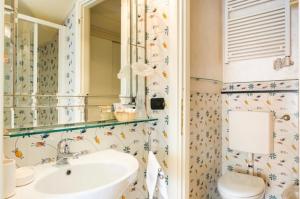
285,117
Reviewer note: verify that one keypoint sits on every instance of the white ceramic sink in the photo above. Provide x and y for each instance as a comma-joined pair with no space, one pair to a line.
102,175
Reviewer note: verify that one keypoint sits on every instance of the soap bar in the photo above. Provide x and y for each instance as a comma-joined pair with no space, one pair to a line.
24,176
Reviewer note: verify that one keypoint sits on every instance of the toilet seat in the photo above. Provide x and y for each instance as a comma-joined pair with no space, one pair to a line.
237,185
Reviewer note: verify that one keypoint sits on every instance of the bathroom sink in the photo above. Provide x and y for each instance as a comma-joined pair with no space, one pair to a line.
79,178
105,174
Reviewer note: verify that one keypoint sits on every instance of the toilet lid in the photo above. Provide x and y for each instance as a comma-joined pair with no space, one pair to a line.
241,185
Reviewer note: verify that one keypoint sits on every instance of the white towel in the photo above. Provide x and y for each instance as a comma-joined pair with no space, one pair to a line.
155,175
142,69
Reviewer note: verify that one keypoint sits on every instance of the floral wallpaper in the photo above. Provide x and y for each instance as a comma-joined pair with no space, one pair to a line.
24,68
70,113
69,75
23,115
47,83
205,139
157,42
129,138
8,56
48,67
23,80
278,169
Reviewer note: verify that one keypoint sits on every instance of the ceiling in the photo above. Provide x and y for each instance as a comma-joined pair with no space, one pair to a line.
55,11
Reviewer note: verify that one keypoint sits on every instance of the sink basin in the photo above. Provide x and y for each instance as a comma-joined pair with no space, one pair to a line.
66,180
105,174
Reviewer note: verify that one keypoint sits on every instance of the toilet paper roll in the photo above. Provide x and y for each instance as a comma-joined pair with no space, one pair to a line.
9,177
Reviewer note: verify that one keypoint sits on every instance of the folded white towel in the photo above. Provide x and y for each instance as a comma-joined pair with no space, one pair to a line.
155,175
142,69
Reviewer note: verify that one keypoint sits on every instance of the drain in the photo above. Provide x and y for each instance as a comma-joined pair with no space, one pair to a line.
68,172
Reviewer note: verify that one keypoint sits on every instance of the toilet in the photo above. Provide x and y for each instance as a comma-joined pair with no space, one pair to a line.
249,132
234,185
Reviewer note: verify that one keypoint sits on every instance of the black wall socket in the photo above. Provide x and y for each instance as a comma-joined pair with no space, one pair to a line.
158,103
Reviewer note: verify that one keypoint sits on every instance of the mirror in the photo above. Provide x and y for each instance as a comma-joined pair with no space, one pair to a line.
70,67
101,56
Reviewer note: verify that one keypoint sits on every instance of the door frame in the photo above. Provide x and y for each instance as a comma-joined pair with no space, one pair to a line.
1,90
299,85
179,21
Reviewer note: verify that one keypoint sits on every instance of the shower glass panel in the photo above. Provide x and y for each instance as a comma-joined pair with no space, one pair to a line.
8,52
8,66
47,60
24,73
31,77
47,75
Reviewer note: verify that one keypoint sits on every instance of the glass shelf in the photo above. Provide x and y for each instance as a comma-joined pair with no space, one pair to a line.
22,132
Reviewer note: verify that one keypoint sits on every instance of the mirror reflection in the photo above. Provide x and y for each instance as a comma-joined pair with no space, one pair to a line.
65,68
104,56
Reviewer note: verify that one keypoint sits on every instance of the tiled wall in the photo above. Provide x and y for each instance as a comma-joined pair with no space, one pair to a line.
205,138
47,82
279,169
48,67
69,75
158,84
209,144
24,69
132,138
23,81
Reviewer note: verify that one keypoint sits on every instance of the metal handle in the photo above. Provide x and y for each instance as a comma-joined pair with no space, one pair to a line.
68,139
65,140
76,155
280,63
286,117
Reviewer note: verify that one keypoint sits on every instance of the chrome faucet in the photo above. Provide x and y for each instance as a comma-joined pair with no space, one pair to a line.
63,152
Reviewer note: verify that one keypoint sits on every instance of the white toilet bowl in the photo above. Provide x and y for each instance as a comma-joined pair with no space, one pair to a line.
241,186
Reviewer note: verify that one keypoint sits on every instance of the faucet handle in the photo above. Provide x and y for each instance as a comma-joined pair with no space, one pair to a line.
64,140
65,147
84,152
76,155
67,139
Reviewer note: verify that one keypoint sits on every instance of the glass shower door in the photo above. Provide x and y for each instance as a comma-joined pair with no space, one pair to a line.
8,67
25,75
